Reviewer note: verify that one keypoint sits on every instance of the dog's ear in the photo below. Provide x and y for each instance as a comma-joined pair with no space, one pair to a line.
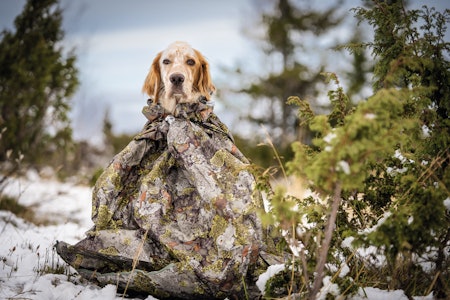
152,83
204,82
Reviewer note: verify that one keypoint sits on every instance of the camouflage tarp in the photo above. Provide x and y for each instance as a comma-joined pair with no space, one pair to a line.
175,213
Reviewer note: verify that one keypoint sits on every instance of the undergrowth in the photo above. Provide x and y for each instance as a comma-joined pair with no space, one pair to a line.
335,232
378,171
11,204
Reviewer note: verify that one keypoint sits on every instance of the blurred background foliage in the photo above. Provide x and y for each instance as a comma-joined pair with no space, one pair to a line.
38,78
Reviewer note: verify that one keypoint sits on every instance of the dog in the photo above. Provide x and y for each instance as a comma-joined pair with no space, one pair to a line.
178,74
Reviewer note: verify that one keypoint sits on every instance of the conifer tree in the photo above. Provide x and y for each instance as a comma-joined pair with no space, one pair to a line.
36,80
379,171
412,58
284,31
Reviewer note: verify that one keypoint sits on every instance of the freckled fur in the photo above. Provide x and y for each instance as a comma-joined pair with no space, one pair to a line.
197,77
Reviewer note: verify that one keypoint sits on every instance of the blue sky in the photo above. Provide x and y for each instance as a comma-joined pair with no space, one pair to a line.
115,42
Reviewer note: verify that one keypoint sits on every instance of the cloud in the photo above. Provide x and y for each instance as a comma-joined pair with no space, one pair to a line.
114,63
219,39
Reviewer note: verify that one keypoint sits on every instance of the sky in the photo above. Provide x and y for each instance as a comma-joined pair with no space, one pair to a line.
115,42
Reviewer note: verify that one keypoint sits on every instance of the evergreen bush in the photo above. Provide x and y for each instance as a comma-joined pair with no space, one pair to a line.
378,173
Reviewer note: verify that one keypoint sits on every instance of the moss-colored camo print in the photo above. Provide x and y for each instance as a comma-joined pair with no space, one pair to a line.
179,204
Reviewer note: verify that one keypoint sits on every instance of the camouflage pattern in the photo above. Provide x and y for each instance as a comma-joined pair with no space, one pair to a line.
175,212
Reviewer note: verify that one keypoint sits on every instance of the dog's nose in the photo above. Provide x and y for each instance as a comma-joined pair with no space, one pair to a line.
177,78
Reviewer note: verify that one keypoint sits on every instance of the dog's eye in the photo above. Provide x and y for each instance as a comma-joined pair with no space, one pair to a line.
190,62
166,61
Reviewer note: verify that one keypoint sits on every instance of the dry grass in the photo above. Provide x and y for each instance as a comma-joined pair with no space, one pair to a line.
11,204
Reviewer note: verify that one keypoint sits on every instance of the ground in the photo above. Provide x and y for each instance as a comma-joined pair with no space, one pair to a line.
30,267
27,258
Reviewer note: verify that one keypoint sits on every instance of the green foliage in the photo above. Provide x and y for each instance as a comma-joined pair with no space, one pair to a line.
277,286
36,80
387,160
413,58
349,141
358,75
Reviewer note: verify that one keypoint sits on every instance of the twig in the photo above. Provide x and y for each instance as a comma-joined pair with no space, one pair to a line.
277,156
135,261
291,285
326,242
305,269
433,282
245,288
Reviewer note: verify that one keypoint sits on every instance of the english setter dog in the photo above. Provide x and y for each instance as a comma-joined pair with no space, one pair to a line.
178,74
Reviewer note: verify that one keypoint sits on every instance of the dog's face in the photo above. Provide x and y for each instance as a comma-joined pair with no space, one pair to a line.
178,74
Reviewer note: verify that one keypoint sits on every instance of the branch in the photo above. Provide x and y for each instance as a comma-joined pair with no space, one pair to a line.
326,242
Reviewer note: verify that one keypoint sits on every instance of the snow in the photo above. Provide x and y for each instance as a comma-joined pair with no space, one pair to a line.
345,269
447,203
270,272
344,166
26,250
370,116
394,170
28,260
426,131
377,294
329,137
403,159
328,288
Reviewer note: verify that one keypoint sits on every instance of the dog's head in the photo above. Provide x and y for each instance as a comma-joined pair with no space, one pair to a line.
178,74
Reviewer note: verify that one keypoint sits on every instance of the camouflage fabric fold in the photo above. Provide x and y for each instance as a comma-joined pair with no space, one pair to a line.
175,212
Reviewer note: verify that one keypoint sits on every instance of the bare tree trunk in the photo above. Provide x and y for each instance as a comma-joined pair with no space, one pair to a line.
326,242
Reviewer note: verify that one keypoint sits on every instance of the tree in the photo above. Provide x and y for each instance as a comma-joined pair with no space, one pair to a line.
412,58
285,29
379,172
357,76
113,143
36,81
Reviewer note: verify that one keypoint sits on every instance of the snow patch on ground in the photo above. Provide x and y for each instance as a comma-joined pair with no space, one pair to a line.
27,253
26,250
270,272
377,294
